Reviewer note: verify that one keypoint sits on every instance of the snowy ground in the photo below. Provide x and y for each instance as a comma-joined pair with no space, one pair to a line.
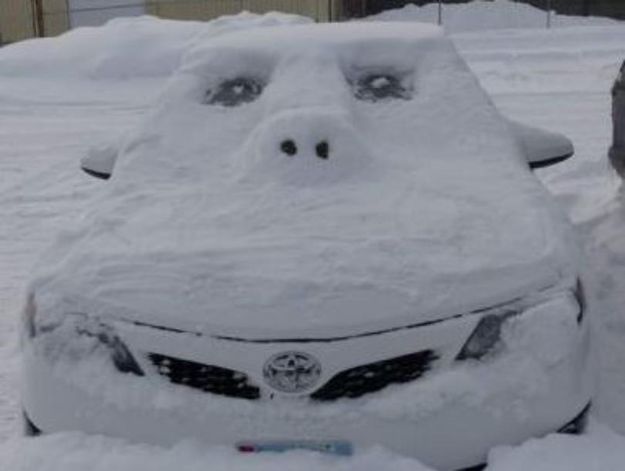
557,79
486,14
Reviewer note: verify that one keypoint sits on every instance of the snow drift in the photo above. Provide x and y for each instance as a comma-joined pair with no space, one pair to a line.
123,48
480,15
601,450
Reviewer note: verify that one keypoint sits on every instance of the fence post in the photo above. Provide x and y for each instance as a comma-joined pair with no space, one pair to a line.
38,20
440,12
548,14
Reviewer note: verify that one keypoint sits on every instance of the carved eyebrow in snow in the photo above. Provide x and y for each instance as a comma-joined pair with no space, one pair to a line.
220,63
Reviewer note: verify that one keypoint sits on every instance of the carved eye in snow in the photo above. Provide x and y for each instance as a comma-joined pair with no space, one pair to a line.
381,86
235,92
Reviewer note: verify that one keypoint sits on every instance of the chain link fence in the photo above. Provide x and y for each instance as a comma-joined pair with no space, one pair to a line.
612,8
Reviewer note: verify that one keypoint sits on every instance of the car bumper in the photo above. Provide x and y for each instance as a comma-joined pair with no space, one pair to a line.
449,419
574,427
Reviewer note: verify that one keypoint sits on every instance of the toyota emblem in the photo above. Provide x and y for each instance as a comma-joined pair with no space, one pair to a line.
292,372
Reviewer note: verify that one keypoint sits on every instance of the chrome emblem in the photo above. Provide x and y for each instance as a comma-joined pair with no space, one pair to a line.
292,372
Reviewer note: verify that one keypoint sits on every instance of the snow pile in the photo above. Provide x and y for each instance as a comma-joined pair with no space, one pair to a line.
600,450
606,249
123,48
78,452
9,402
480,15
540,61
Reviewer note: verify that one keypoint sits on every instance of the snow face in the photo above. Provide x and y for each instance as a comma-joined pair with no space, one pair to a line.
421,207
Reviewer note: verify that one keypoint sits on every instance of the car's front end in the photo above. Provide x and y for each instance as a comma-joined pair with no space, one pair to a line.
444,391
323,237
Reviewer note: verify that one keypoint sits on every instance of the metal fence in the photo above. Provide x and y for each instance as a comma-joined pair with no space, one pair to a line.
612,8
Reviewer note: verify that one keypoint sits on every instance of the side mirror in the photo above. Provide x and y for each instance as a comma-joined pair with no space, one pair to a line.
99,161
542,148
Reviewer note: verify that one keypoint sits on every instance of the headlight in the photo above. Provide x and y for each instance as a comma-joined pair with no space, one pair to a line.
487,334
67,338
121,356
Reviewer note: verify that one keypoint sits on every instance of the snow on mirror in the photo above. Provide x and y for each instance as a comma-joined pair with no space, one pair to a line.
100,160
541,148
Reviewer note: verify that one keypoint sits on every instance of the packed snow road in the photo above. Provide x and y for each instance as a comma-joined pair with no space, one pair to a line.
47,125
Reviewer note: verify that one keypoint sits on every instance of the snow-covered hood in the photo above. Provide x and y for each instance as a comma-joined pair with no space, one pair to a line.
422,207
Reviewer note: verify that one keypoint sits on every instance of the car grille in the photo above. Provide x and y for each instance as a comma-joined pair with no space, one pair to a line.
349,384
357,382
208,378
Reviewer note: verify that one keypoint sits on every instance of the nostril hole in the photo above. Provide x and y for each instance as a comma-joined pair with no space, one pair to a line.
288,147
323,150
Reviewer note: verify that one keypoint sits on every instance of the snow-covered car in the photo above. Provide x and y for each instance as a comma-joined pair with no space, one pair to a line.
321,237
617,150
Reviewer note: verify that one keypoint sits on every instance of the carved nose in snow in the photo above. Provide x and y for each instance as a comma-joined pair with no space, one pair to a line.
290,148
322,149
306,147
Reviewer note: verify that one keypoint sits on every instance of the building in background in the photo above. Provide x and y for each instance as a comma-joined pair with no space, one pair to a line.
17,19
21,19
